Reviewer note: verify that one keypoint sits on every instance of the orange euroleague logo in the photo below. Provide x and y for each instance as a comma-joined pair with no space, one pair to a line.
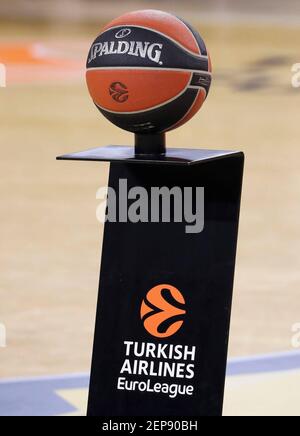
163,310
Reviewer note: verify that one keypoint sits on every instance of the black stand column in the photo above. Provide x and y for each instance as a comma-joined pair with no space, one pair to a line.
164,353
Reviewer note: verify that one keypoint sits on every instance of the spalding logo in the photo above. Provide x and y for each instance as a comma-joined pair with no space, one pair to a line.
123,33
144,50
119,92
162,311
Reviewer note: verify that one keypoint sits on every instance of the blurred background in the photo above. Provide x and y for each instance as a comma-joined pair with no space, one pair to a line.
49,235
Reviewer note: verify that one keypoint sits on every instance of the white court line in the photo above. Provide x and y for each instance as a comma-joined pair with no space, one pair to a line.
69,376
259,357
185,70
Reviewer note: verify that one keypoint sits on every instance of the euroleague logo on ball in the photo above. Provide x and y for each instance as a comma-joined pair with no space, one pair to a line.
119,92
163,311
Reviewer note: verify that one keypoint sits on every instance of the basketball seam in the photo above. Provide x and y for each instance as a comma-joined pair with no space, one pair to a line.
150,68
149,109
200,56
191,32
190,109
194,38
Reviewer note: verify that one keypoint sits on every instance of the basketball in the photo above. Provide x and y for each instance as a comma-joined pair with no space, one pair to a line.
148,72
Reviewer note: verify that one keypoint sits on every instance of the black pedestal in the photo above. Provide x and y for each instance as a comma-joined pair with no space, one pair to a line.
165,295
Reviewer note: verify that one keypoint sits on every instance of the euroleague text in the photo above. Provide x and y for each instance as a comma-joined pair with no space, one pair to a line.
161,204
147,361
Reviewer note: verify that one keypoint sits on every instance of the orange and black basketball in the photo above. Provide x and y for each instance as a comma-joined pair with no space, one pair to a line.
148,72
